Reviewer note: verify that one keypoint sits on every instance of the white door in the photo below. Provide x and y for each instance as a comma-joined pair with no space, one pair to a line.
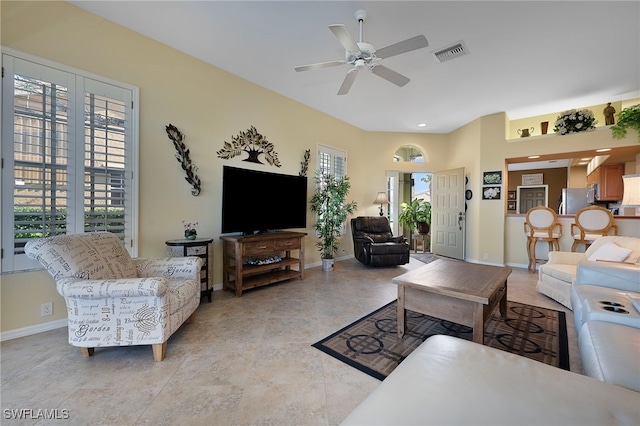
448,213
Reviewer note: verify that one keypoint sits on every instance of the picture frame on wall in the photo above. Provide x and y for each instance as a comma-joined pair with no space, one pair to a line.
491,192
492,178
511,205
511,195
532,179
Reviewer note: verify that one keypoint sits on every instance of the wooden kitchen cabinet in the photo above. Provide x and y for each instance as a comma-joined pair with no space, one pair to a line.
609,181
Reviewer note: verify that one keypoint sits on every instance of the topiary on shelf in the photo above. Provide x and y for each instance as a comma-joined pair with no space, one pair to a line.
628,118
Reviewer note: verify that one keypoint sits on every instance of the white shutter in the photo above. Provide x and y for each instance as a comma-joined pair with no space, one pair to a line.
332,161
69,148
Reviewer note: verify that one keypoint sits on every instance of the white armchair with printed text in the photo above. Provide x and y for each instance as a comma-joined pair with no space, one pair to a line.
114,300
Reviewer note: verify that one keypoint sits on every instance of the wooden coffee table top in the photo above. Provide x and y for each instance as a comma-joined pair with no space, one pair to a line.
455,278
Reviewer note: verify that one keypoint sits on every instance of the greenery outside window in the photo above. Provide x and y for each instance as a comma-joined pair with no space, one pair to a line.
69,145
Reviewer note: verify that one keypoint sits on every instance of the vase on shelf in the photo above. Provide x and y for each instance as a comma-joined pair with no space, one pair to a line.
544,126
190,234
524,133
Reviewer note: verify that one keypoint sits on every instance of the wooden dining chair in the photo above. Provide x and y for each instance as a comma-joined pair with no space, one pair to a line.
591,223
541,225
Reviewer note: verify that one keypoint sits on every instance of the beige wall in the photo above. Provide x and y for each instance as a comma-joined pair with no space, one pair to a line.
210,105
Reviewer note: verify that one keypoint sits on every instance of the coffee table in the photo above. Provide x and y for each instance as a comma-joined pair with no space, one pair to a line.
453,290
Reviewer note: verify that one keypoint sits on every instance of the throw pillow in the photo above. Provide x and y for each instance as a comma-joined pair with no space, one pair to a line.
610,252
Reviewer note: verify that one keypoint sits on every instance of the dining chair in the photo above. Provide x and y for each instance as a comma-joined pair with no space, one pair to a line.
591,223
541,225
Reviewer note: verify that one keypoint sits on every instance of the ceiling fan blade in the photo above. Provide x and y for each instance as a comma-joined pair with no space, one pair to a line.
390,75
319,65
417,42
345,37
348,81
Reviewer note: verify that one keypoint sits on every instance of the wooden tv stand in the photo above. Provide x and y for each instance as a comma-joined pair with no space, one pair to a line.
241,256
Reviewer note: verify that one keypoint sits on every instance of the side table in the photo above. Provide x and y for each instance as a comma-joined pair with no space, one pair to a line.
199,247
422,239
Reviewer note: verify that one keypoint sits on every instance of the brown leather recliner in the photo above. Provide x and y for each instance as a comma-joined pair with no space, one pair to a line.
375,245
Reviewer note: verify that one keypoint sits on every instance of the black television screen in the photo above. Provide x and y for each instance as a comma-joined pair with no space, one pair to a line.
256,201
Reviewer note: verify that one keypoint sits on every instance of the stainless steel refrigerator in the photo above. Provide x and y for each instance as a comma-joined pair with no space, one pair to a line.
573,199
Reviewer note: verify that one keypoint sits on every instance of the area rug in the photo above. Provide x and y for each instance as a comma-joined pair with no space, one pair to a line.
371,344
424,257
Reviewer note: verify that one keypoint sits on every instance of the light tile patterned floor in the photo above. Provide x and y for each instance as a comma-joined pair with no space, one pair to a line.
244,361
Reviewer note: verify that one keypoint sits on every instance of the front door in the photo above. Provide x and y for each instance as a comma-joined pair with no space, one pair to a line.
448,213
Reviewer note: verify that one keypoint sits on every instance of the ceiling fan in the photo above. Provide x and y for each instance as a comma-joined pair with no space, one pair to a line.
363,55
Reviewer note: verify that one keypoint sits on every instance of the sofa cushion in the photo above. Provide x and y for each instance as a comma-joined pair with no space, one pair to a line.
451,381
610,252
561,271
610,352
632,243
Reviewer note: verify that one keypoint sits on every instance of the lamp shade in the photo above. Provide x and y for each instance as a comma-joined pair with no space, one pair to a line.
381,198
631,195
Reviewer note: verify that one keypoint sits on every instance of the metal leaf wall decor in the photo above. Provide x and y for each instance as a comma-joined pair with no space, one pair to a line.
304,164
182,155
254,144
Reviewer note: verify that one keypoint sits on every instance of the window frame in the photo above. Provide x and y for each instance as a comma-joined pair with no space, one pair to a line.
324,150
333,153
78,84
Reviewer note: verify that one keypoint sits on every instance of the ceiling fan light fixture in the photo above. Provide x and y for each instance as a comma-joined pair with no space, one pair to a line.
363,55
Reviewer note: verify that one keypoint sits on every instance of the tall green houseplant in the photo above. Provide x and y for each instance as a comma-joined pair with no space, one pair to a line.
331,208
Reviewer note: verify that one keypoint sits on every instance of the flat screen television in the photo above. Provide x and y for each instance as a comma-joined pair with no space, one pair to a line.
256,201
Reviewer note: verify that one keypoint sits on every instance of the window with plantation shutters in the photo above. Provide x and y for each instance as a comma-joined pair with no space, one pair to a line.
332,161
68,150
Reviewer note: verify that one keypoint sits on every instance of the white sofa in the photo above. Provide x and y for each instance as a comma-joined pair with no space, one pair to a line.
556,277
606,308
451,381
114,300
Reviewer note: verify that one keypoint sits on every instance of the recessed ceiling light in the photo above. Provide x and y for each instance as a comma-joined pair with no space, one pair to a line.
582,164
603,150
586,159
422,125
533,156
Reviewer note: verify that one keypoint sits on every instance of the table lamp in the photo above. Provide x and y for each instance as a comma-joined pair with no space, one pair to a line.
631,195
382,200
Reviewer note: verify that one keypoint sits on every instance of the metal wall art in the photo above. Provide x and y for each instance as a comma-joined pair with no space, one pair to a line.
304,164
182,155
254,144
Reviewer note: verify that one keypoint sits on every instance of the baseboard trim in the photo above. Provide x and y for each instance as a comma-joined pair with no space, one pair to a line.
34,329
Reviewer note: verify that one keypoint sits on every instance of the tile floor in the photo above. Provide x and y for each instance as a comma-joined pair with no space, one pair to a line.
245,361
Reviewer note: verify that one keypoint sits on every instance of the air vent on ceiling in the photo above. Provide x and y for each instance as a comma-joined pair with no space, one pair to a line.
451,52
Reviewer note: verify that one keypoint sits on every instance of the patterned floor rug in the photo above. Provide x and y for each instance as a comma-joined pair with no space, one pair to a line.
372,346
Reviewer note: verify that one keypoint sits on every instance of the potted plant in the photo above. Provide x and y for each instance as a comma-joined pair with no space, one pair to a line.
416,215
628,118
331,209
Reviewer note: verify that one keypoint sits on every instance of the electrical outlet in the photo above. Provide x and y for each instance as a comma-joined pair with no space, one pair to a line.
485,256
46,309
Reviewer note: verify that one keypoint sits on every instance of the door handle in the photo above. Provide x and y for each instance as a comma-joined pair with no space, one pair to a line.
461,217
